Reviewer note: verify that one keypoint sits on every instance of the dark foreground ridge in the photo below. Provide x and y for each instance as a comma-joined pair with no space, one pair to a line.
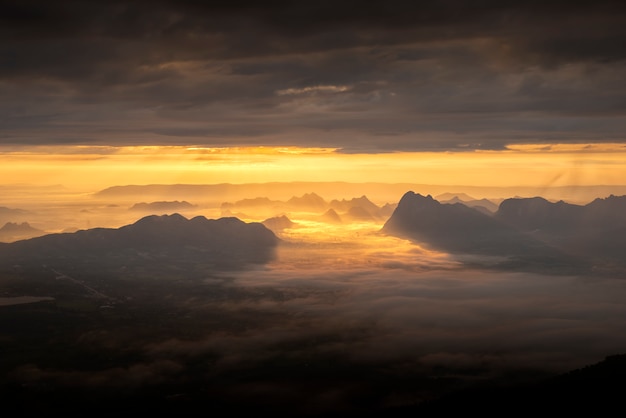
595,389
224,242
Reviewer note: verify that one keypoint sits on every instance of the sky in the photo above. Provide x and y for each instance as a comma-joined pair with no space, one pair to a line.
502,93
347,78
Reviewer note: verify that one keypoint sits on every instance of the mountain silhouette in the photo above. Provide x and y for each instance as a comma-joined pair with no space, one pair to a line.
330,216
597,229
357,202
596,389
278,223
524,229
163,206
484,205
464,197
456,228
12,231
537,213
357,209
251,203
225,241
308,201
608,212
387,209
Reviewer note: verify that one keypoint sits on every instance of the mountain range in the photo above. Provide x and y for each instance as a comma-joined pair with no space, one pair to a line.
163,206
528,232
484,205
356,209
457,228
378,191
223,242
597,229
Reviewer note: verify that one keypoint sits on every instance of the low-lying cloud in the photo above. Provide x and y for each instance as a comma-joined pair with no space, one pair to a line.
350,318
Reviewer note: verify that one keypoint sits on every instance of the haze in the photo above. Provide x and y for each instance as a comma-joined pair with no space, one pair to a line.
353,208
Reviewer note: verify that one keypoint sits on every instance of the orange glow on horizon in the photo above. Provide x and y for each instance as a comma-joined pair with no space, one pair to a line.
95,167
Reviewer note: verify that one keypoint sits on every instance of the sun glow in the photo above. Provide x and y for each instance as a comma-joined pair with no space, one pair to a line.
93,167
353,246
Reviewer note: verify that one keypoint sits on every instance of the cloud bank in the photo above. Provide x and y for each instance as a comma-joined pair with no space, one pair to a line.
359,76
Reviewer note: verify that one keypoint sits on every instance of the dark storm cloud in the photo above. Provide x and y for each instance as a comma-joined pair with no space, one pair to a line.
361,75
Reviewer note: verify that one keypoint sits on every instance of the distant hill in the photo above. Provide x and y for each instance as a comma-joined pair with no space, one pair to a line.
485,205
225,242
278,223
308,201
163,206
358,208
330,216
251,203
456,228
358,202
597,229
538,213
379,191
12,231
449,196
387,209
595,390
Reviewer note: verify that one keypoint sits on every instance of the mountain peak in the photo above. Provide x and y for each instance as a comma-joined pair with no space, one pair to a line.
174,218
308,200
13,231
415,200
331,216
166,217
463,197
278,223
224,241
456,228
14,226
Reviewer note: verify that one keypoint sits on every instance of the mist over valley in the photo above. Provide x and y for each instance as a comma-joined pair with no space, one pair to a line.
301,307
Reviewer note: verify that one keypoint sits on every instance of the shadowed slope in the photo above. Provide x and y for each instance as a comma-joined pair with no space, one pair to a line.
595,389
596,230
225,241
459,229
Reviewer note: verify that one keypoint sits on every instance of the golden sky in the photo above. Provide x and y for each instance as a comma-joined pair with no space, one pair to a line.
93,168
